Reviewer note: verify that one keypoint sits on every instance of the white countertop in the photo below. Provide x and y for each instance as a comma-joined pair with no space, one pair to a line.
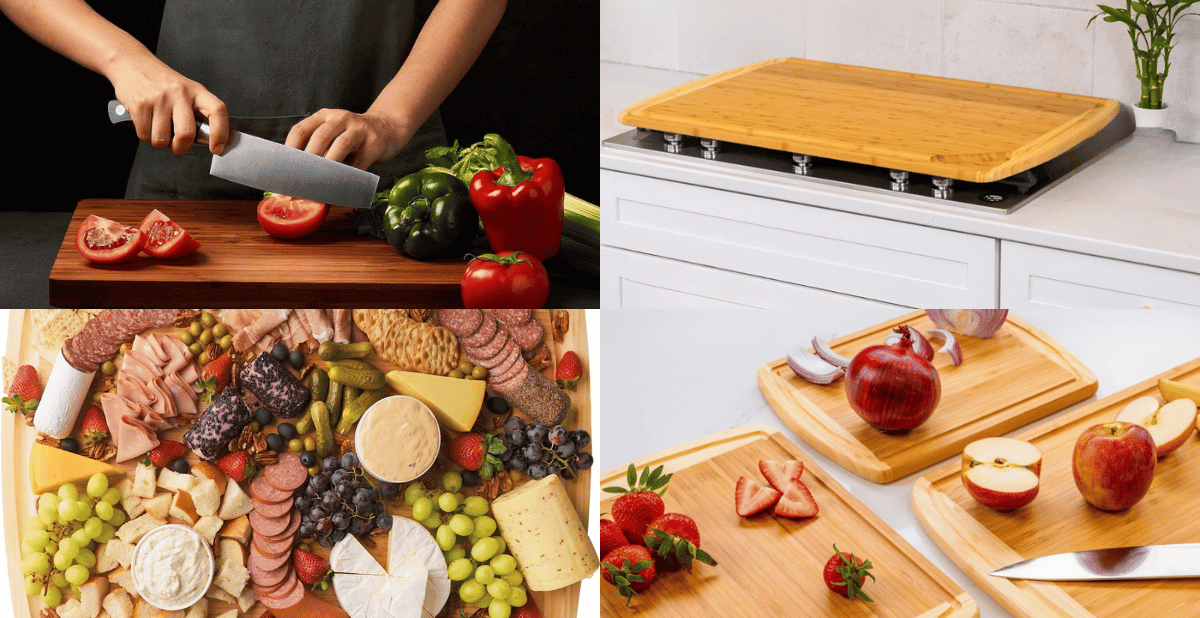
1140,202
684,375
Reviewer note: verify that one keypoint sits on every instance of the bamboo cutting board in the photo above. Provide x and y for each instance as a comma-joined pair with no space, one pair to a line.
19,502
918,123
771,566
980,539
1015,377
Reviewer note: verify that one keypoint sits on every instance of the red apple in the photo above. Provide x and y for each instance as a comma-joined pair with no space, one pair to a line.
1002,473
1169,425
1113,464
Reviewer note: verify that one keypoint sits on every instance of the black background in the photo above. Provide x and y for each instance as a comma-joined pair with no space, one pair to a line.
536,84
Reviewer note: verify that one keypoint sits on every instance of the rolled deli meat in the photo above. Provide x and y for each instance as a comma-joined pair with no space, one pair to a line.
545,534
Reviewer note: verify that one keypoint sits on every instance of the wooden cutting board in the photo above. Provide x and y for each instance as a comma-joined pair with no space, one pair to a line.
930,125
239,265
770,563
1015,377
19,502
980,540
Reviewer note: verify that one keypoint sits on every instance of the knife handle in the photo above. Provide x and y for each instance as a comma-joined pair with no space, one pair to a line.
118,114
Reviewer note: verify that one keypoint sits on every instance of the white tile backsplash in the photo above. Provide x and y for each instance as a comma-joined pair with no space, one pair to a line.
884,34
716,35
641,32
1182,89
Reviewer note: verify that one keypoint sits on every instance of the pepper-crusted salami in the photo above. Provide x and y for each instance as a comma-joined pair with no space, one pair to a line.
102,336
223,421
539,398
274,386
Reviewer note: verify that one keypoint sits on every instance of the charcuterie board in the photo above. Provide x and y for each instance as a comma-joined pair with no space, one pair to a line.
774,564
980,539
1009,380
17,439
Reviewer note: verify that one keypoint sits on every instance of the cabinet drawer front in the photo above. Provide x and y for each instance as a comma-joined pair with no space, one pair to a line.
631,280
894,262
1043,277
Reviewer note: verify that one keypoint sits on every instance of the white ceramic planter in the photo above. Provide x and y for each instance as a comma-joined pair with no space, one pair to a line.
1150,118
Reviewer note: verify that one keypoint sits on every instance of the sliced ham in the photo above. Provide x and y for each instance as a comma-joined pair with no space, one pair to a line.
248,336
186,401
318,324
343,324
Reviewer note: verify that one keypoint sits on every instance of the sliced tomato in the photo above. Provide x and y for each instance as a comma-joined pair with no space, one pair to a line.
289,217
105,241
165,239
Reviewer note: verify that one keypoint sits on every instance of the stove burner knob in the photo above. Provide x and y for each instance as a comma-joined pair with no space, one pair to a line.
942,188
709,148
802,164
674,142
899,180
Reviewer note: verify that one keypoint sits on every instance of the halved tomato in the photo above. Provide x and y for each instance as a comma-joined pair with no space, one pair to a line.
165,239
289,217
105,241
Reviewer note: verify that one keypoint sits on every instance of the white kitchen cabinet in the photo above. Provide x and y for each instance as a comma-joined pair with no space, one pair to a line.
1033,276
774,243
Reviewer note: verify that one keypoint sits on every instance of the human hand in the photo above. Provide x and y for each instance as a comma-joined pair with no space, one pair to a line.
356,139
163,105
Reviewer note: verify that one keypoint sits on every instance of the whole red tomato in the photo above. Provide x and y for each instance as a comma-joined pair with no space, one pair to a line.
289,217
505,280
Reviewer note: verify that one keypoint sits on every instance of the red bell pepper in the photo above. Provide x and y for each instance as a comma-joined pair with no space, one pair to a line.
520,203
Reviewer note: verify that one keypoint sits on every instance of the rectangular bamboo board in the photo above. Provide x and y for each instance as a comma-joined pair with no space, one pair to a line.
1009,380
980,540
771,566
918,123
19,502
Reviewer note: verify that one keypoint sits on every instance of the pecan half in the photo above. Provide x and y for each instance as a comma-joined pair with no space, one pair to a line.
266,458
185,317
560,323
101,451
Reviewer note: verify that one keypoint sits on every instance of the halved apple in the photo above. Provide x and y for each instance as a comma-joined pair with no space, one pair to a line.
1169,425
1002,473
1172,390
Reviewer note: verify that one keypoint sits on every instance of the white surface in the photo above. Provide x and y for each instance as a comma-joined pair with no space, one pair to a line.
684,375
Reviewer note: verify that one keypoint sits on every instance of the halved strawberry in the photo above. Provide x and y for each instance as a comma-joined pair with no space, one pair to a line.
751,498
780,474
796,502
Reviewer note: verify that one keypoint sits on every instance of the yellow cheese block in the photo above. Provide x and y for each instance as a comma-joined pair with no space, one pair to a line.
455,402
544,533
50,467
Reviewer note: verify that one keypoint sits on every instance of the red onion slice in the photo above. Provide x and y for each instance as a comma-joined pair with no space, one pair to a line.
981,323
949,346
811,368
827,354
920,345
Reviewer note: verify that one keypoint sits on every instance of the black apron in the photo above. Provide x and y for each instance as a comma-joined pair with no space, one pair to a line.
274,62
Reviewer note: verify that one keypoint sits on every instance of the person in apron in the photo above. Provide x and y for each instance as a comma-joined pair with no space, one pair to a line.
343,79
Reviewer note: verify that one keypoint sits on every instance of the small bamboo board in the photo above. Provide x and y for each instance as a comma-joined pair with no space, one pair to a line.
1009,380
771,566
918,123
980,540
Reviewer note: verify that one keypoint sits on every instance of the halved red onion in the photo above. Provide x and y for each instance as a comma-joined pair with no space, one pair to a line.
827,354
919,344
949,344
981,323
811,368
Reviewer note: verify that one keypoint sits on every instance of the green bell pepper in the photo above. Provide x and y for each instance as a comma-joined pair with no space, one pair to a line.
428,213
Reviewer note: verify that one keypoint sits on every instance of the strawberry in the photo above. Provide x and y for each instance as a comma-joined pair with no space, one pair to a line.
477,452
630,569
24,391
639,504
675,541
611,536
238,466
219,369
166,452
569,371
796,502
528,610
95,427
845,576
780,474
751,498
312,569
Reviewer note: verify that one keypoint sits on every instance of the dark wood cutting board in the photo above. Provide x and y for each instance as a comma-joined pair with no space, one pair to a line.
239,265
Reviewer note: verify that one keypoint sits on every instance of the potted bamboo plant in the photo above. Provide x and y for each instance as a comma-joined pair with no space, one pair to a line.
1152,31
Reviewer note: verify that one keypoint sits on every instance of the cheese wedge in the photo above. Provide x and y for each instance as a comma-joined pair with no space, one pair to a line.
545,534
50,467
401,596
349,556
456,403
410,545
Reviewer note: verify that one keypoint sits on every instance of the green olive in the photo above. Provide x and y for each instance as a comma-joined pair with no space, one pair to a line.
226,342
208,319
203,359
310,444
465,366
454,373
108,368
205,337
187,338
123,349
254,426
96,397
196,349
296,445
468,377
480,372
220,330
195,328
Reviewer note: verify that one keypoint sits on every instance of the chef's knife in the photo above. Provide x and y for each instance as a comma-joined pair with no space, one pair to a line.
1140,562
266,165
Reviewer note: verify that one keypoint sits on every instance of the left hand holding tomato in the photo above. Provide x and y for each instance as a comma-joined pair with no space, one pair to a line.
505,280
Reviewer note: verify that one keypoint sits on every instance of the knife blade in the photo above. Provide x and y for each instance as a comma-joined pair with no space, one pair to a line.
268,166
1137,562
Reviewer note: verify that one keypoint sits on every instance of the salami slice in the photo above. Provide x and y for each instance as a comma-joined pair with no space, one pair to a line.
285,597
489,349
487,330
513,317
270,563
508,368
510,382
528,335
287,474
507,359
271,548
288,532
272,509
262,491
461,322
266,577
269,526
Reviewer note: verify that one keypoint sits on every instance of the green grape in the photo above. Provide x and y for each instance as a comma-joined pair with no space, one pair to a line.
484,600
518,597
484,526
75,591
503,564
61,561
48,498
107,533
33,522
461,525
81,536
445,537
58,579
86,558
470,591
83,510
69,546
413,492
118,518
459,570
514,579
422,509
475,506
68,492
112,496
484,574
36,538
484,549
499,608
48,514
33,587
77,574
26,549
93,527
51,547
36,564
455,553
104,510
448,502
97,485
451,481
499,589
432,522
501,545
52,597
66,509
